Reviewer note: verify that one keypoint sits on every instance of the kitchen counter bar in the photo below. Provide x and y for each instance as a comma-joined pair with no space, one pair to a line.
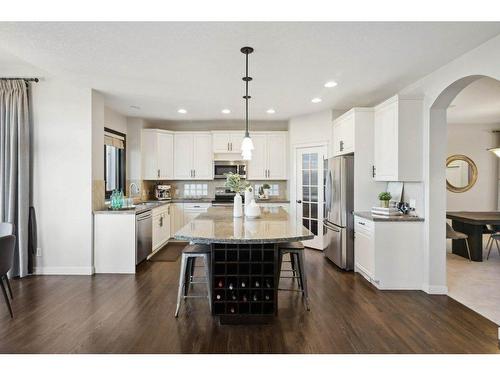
217,225
402,218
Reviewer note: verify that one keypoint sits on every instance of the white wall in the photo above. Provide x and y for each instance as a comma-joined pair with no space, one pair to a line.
114,120
134,127
439,89
97,136
473,140
62,169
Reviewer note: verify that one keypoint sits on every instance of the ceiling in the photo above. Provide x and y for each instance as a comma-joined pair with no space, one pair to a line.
478,103
161,67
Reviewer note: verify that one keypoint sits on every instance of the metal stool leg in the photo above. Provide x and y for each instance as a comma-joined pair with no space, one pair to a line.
6,278
294,268
498,248
187,274
7,300
206,260
468,249
303,278
280,263
489,250
182,280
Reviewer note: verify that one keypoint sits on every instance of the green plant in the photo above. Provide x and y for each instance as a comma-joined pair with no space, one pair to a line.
266,186
235,183
385,196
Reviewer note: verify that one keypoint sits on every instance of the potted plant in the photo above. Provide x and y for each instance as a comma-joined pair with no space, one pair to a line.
237,185
384,198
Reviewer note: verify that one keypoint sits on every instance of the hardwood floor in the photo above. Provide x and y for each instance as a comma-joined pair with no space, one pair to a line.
135,314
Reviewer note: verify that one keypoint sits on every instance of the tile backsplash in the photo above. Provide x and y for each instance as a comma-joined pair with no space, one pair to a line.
190,188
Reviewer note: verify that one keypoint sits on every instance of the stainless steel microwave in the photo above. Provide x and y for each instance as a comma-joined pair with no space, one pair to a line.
223,167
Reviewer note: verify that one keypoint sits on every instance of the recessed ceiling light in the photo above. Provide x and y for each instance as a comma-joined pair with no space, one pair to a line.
316,100
135,107
182,110
226,111
271,111
330,84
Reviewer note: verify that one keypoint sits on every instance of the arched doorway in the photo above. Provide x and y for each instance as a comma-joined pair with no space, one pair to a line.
435,187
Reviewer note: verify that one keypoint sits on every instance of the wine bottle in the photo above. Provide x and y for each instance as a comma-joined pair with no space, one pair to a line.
232,310
268,284
233,297
267,297
255,297
231,286
243,284
220,284
218,296
257,284
244,298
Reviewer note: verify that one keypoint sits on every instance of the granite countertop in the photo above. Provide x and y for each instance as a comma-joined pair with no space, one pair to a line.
209,200
139,208
217,225
402,218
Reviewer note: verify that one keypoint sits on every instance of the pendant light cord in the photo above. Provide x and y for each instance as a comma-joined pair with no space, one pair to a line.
246,97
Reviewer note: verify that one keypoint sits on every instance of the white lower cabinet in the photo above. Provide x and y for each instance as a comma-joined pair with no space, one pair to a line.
161,226
176,217
388,253
191,210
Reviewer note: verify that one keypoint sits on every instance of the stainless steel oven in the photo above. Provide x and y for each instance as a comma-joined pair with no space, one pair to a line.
223,167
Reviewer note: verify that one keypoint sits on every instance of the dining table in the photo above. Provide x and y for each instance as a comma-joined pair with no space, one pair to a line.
473,224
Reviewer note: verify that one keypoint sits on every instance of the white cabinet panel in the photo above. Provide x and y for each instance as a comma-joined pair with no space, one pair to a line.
364,245
343,134
165,156
221,142
193,156
157,154
398,140
236,140
269,157
183,156
257,167
176,217
276,156
203,157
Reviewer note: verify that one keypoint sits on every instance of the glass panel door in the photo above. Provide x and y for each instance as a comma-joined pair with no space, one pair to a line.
310,191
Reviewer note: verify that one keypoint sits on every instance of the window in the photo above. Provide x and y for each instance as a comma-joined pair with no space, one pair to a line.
114,161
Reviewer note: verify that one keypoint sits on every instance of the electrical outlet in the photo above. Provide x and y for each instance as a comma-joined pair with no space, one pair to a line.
413,203
38,251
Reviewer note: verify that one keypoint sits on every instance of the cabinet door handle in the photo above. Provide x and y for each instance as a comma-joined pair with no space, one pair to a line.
341,145
374,170
194,173
228,148
158,173
361,223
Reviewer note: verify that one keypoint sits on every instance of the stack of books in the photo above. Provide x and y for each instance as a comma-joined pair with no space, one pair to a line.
386,212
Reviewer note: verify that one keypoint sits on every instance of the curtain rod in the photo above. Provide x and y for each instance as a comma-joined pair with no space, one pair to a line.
25,79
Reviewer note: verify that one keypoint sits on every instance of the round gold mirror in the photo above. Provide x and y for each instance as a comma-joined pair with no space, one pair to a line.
461,173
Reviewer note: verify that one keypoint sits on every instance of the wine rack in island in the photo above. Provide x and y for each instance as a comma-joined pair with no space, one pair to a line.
244,280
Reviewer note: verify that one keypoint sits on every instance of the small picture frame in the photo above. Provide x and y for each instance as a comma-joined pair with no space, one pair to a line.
396,191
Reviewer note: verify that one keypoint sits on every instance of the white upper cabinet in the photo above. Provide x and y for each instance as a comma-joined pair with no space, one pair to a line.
269,157
193,156
227,141
398,140
157,154
343,134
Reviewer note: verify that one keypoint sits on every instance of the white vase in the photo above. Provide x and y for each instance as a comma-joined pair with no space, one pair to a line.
238,206
248,198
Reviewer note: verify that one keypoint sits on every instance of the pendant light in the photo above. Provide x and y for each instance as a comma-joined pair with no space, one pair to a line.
247,144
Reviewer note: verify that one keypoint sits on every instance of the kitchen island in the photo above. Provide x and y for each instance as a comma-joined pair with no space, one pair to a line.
244,255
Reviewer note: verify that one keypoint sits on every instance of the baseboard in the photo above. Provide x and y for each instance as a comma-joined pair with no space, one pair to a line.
435,289
63,270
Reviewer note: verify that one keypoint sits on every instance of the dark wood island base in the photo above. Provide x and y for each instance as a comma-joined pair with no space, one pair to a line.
245,282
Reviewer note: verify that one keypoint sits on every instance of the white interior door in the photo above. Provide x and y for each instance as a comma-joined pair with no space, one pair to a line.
310,191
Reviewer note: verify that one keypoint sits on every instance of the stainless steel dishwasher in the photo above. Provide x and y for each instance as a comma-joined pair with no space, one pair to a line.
144,236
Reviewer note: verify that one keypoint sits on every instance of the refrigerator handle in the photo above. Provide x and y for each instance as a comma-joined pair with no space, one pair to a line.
329,192
330,227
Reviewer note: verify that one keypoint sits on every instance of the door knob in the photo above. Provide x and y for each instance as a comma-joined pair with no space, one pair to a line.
299,201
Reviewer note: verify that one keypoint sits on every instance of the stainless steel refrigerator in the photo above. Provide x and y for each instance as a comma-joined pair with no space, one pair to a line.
338,223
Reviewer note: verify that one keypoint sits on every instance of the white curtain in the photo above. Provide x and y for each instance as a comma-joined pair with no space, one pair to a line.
15,166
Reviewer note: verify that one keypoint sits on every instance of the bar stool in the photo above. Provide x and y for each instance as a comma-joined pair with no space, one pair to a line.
189,254
296,251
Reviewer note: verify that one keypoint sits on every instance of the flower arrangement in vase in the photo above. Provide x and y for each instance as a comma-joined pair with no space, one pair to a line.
237,185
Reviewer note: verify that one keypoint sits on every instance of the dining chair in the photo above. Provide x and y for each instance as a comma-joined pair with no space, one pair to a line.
452,234
490,229
493,237
7,244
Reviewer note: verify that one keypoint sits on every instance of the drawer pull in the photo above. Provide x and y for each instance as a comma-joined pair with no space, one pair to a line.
361,223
